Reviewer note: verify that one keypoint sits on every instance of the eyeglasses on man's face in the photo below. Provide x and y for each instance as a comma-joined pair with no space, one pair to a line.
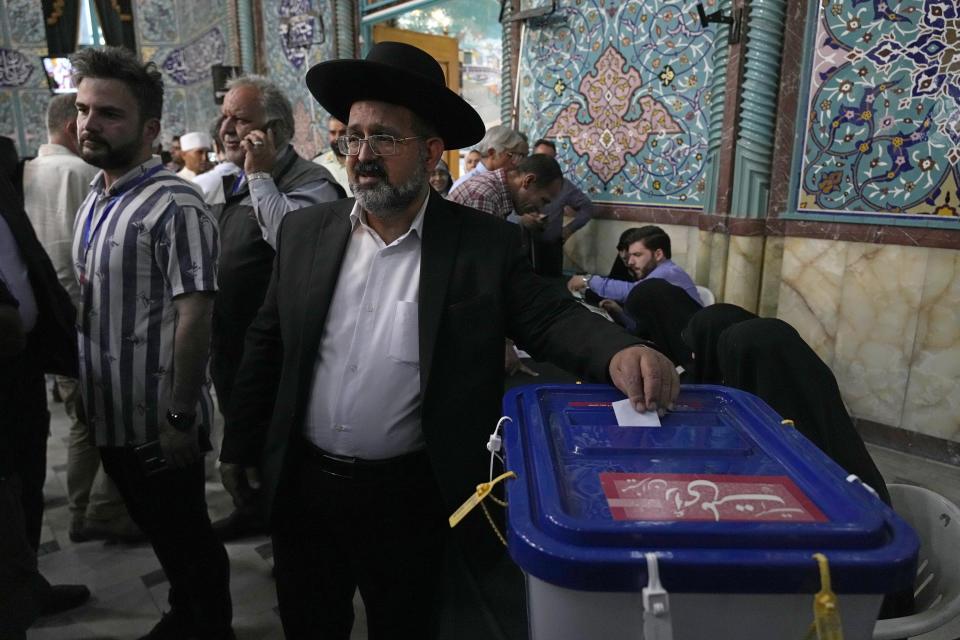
381,145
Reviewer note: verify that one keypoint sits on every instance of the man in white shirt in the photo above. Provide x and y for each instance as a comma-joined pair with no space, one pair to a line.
334,160
54,185
195,150
373,372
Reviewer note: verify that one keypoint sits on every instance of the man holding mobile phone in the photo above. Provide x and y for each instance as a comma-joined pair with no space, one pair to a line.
256,129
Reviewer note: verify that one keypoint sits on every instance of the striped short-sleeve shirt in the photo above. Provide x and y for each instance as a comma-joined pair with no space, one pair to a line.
136,246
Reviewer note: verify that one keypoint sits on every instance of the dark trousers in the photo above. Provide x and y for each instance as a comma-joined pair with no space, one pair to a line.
22,588
382,533
171,509
29,422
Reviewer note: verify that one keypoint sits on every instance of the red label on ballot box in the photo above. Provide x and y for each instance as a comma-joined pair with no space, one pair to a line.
712,498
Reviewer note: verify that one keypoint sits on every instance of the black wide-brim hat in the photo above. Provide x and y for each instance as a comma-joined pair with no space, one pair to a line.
401,74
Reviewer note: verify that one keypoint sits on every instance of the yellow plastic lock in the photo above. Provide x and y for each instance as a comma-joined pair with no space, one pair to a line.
483,490
826,609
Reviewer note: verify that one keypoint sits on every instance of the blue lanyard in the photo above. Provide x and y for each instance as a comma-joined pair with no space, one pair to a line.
236,185
106,212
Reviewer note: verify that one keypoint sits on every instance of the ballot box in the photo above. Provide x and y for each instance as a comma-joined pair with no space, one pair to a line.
704,527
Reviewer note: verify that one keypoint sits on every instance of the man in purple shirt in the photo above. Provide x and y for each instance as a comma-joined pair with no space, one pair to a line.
546,251
649,258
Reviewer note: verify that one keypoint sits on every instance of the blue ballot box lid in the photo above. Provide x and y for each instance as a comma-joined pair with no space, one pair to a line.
731,499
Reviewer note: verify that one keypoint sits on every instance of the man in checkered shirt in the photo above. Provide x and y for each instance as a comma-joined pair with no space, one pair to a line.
525,189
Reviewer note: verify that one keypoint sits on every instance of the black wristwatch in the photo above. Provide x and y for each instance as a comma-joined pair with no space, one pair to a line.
180,420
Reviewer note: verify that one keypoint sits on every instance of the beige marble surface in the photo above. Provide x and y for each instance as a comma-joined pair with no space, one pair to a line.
886,318
933,392
716,280
879,304
770,279
744,267
810,286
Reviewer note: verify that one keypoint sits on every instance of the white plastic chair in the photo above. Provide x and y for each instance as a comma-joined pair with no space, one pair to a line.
706,296
937,585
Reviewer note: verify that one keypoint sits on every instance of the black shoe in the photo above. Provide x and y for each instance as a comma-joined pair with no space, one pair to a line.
239,524
127,533
170,626
173,627
63,597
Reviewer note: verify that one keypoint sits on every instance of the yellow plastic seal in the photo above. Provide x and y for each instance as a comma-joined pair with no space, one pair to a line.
826,609
483,490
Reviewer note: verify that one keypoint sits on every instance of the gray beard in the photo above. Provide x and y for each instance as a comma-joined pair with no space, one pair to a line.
388,201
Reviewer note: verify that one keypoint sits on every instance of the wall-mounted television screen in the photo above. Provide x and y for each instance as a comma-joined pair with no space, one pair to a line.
59,74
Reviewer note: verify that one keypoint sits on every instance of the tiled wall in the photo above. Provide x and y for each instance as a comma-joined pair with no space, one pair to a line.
184,38
297,35
23,84
882,111
623,87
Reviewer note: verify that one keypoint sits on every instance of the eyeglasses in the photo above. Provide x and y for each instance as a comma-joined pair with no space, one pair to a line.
381,145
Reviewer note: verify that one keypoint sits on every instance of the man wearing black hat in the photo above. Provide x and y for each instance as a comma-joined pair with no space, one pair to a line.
373,373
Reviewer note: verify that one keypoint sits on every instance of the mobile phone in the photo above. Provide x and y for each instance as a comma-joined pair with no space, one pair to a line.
150,457
271,125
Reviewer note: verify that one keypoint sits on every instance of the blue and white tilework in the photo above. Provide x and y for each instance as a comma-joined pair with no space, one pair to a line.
297,35
184,39
881,117
23,84
623,88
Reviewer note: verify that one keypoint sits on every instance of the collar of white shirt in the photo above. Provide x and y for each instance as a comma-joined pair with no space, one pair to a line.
359,216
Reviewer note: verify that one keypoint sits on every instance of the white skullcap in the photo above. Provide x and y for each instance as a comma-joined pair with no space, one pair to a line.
195,140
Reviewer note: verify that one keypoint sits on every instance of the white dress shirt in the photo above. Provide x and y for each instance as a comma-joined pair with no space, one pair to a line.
365,396
211,182
54,185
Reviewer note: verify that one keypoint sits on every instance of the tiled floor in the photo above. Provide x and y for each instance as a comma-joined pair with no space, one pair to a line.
129,590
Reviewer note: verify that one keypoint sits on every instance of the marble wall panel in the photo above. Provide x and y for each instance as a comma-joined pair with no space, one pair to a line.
717,273
701,272
877,326
810,287
744,269
770,280
932,400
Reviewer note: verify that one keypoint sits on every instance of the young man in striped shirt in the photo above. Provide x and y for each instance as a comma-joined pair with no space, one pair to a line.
145,249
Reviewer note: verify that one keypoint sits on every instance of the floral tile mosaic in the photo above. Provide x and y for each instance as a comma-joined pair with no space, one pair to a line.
184,38
297,35
623,88
882,117
26,22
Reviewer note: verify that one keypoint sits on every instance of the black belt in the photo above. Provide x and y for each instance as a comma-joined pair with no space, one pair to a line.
361,469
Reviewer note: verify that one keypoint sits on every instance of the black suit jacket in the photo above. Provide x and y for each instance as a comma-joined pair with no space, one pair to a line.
52,344
476,287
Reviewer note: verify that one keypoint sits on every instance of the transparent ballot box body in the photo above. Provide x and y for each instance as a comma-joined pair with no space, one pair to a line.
731,503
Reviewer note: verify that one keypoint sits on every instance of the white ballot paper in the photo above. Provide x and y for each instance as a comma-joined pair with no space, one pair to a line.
627,416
